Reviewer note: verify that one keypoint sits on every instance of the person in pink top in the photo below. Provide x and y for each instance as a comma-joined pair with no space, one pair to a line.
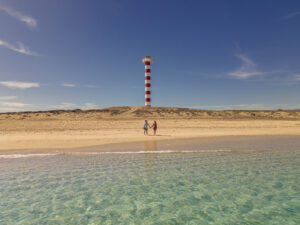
154,126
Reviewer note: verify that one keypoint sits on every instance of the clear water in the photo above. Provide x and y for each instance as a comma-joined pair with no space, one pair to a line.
255,187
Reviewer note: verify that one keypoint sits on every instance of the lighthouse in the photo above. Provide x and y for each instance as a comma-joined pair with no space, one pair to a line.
147,61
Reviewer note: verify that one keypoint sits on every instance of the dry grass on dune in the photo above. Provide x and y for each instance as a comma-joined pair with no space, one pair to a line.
153,112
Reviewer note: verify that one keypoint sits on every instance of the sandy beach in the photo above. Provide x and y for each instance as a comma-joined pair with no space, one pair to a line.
77,128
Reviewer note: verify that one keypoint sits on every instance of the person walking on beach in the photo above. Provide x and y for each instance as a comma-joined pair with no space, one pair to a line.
154,126
146,125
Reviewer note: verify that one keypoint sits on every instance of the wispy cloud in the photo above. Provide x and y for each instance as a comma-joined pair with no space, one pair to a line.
247,107
11,109
297,77
246,70
28,20
89,105
90,86
292,14
226,107
18,84
71,85
68,85
69,105
14,104
64,105
7,98
20,49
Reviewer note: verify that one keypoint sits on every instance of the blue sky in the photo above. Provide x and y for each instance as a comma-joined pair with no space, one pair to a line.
207,54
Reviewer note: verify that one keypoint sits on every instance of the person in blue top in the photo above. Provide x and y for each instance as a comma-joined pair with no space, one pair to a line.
146,126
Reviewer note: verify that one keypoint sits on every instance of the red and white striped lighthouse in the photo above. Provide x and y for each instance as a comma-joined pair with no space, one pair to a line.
147,61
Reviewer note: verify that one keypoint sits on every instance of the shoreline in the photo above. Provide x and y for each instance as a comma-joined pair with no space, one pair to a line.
73,134
196,144
77,129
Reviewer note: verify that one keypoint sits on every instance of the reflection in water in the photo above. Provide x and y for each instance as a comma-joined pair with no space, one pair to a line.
151,158
150,145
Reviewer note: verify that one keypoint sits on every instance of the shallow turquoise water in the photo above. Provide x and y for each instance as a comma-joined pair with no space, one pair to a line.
255,187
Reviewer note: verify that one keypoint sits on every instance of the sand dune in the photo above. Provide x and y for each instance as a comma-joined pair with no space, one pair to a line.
153,112
77,128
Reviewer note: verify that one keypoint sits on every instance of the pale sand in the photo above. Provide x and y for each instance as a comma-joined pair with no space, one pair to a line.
82,129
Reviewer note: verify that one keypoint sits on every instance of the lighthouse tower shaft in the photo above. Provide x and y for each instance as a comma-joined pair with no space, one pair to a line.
147,61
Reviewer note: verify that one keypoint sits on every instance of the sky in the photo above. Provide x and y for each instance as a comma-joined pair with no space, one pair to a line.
208,54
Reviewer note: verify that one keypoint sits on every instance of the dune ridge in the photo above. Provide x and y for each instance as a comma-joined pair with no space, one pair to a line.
153,112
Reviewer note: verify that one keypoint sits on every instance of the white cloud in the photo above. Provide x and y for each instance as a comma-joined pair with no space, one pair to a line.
246,70
297,77
228,107
10,109
292,14
20,49
74,85
14,104
90,86
8,97
69,105
19,85
68,85
29,21
64,105
89,105
247,107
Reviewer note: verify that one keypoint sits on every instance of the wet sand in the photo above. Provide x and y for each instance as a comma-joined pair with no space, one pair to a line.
224,143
